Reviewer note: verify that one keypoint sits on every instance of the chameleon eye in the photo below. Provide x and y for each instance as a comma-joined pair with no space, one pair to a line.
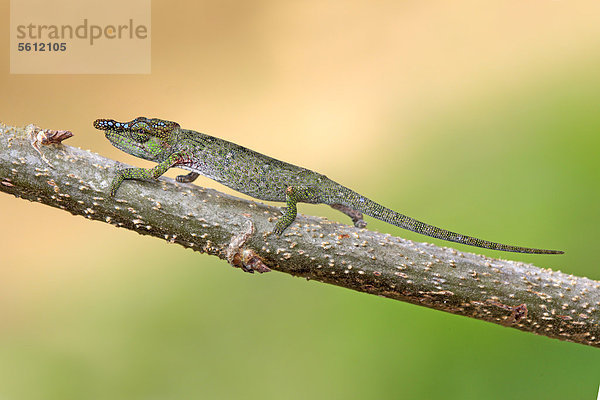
141,127
139,137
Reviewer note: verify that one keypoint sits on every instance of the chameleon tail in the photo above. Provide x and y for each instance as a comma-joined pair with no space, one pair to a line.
360,203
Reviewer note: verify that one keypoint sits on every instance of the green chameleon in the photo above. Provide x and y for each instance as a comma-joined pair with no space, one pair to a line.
256,175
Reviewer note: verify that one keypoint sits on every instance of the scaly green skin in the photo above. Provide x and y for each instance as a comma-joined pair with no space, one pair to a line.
256,175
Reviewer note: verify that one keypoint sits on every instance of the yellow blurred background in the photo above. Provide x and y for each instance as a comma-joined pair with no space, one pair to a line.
480,117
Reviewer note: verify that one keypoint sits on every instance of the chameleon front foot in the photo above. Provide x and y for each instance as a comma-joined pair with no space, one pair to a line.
142,173
129,173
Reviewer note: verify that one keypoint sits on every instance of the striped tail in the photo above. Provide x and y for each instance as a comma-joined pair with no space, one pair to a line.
360,203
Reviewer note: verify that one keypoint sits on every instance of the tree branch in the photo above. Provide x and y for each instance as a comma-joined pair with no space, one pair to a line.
508,293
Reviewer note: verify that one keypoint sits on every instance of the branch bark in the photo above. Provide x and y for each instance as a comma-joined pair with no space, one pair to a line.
508,293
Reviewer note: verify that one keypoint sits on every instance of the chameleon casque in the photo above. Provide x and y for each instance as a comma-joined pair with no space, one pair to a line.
256,175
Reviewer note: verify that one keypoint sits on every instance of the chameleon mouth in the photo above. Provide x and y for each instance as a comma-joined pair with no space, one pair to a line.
123,142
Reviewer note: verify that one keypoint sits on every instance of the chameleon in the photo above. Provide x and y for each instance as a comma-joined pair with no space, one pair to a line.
257,175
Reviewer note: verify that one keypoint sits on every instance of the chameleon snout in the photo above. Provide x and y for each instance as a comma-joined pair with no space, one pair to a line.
112,125
104,124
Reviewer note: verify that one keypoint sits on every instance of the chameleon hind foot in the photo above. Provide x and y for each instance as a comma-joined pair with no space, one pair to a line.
356,216
290,211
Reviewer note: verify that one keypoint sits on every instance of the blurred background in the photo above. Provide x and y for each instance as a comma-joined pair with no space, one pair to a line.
480,117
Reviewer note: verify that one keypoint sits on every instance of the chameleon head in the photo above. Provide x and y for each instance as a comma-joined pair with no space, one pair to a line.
147,138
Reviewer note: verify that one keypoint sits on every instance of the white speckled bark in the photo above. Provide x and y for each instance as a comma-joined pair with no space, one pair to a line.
509,293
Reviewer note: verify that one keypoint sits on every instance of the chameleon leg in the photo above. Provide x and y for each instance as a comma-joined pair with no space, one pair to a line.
142,173
357,217
191,177
289,216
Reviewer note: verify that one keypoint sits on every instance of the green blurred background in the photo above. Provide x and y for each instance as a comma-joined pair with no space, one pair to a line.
481,117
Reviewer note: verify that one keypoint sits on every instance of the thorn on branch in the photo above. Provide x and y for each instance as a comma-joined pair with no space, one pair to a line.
246,259
45,137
